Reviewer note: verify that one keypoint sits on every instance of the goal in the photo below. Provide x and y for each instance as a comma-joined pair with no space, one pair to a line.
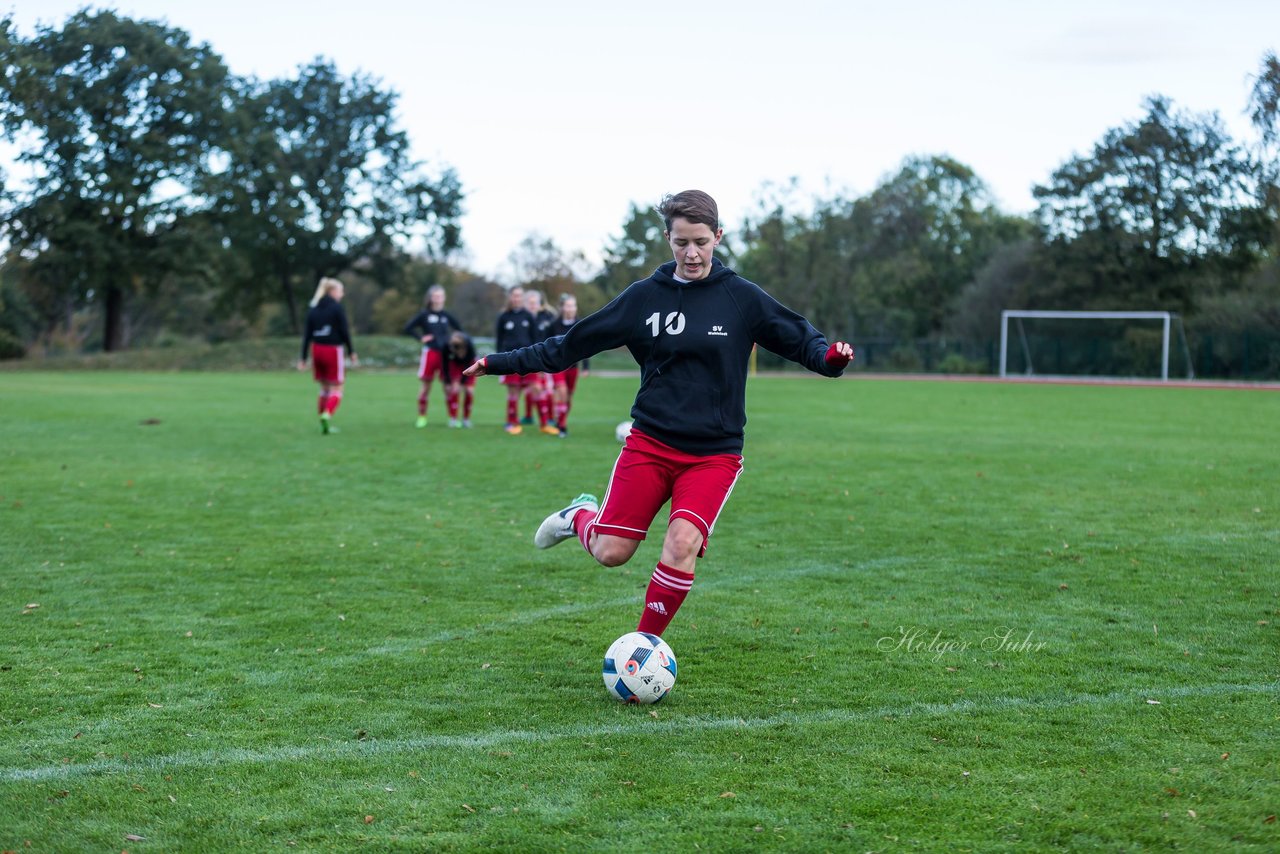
1088,352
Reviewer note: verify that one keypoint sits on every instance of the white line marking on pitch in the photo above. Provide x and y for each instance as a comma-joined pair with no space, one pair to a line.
680,724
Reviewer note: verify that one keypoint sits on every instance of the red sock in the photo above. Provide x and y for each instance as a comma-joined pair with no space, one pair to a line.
581,520
667,588
335,398
452,400
466,404
528,406
513,410
422,403
322,403
562,412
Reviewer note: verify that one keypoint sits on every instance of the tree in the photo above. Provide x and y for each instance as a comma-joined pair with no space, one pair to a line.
116,121
476,302
634,254
320,178
1004,281
884,265
925,233
1264,109
1264,112
787,249
539,263
537,259
1142,220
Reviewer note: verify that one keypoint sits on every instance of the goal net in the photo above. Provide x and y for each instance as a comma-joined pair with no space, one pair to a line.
1102,344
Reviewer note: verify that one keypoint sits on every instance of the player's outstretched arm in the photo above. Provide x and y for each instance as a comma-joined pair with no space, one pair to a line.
476,369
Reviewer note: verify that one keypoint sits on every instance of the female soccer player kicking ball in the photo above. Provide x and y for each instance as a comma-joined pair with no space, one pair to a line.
690,326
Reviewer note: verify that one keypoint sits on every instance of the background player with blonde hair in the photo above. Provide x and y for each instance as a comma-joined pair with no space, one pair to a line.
432,327
328,338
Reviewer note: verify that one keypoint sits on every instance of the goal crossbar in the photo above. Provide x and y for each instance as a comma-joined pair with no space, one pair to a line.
1166,317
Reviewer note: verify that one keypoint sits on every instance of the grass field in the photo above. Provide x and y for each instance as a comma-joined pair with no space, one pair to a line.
934,616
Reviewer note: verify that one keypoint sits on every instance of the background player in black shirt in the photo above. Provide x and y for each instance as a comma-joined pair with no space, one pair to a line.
515,329
328,338
432,326
537,393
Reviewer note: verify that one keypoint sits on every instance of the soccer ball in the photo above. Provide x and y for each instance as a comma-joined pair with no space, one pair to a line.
639,668
622,431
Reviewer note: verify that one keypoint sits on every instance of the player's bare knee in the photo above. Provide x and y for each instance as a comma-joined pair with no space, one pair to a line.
682,543
611,553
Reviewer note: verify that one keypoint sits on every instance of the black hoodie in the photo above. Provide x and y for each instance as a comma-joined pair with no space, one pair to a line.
437,324
327,324
693,342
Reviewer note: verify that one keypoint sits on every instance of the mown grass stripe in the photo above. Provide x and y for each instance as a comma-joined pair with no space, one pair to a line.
682,725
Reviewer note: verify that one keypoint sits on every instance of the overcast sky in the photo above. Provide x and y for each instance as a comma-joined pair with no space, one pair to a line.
558,114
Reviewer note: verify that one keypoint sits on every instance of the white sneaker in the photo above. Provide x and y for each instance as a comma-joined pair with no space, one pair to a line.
453,422
466,422
558,527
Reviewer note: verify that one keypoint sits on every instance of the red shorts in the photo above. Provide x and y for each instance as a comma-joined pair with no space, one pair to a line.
518,381
649,472
568,379
327,363
431,365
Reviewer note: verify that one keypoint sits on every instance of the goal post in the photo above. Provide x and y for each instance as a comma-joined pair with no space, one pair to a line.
1167,320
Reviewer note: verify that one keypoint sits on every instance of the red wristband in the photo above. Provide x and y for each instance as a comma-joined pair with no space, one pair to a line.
835,358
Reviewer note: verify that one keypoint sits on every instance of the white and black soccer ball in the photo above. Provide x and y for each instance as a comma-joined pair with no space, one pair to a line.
622,431
639,668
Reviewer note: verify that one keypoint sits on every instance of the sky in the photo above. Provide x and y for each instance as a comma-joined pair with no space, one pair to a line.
558,115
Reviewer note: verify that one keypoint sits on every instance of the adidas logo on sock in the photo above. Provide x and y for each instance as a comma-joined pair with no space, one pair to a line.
657,606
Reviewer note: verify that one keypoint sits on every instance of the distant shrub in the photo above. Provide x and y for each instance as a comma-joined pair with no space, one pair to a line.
10,346
905,357
954,363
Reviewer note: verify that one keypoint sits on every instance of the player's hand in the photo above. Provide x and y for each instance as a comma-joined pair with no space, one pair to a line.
426,339
355,360
839,355
476,369
302,364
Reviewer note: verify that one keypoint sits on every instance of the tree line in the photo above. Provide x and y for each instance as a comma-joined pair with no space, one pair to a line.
163,197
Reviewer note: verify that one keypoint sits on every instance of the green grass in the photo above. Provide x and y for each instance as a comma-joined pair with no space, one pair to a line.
249,636
255,354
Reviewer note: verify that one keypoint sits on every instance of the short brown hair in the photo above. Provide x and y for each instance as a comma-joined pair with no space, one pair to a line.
693,205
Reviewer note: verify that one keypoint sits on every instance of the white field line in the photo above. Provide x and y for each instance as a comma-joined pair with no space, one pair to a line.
678,725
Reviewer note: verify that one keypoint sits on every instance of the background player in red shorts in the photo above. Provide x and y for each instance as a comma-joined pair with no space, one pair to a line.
537,393
690,326
565,383
460,355
515,329
432,326
329,339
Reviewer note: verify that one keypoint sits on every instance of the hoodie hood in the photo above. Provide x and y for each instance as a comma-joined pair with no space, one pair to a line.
665,275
